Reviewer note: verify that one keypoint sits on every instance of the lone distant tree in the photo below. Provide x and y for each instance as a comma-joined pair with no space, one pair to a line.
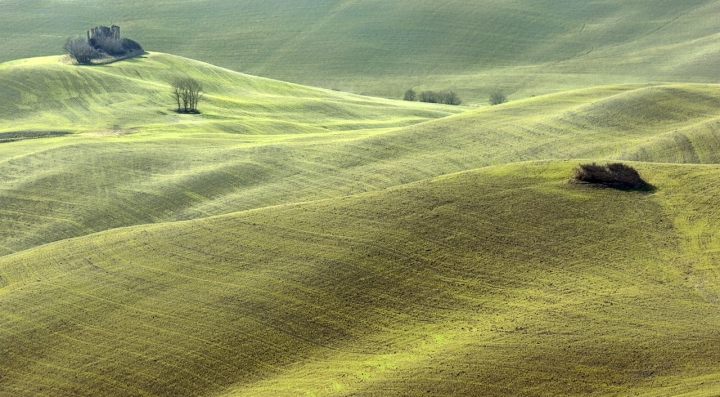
497,98
410,95
79,48
187,93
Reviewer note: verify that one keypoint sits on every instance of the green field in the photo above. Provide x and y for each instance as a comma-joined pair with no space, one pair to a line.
301,241
500,281
384,47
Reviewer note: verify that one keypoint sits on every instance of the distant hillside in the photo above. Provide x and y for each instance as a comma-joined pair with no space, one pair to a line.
383,47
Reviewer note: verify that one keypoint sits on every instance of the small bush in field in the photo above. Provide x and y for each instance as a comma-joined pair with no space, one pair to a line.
615,175
497,98
410,95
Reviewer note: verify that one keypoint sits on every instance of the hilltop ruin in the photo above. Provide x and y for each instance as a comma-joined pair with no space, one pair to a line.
102,44
112,32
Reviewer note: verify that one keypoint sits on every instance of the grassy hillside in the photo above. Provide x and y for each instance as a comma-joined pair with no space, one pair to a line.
500,281
383,47
50,93
259,142
309,241
122,155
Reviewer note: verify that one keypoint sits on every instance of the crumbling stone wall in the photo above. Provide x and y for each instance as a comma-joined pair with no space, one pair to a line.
112,32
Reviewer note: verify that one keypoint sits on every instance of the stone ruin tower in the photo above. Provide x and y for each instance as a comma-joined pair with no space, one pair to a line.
103,31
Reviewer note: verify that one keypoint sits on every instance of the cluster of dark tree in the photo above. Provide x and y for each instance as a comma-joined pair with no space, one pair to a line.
615,175
101,42
187,93
444,97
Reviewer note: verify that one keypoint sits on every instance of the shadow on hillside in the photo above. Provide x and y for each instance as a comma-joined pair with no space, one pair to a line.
647,189
109,60
13,136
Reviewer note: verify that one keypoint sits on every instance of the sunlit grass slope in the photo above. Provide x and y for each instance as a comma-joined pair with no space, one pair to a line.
57,188
501,281
50,93
94,179
383,47
656,123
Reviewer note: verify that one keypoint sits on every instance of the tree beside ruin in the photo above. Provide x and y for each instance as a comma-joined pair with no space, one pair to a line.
79,48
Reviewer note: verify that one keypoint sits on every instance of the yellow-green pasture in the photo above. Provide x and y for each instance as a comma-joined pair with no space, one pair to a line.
51,93
125,157
147,167
500,281
299,241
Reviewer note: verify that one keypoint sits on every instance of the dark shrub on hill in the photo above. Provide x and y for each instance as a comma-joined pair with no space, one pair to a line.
451,98
410,95
109,45
131,46
615,175
79,48
116,47
444,97
497,98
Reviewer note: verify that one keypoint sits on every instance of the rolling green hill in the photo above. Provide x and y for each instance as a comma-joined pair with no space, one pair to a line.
131,160
384,47
49,92
505,280
352,258
300,241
